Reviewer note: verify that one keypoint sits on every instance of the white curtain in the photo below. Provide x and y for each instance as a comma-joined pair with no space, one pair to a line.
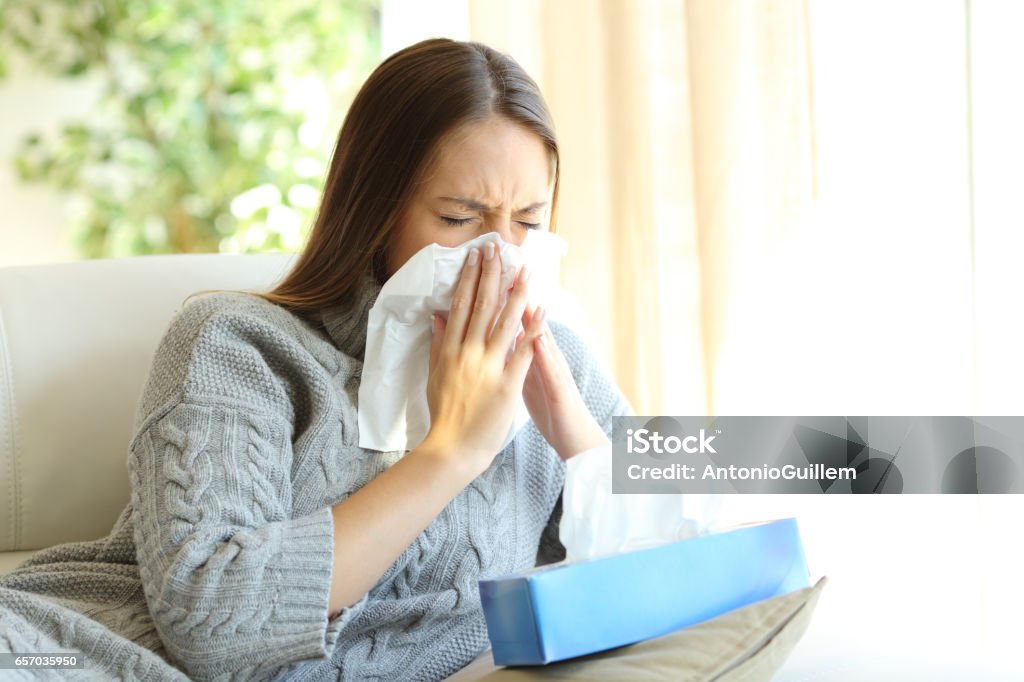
687,159
772,204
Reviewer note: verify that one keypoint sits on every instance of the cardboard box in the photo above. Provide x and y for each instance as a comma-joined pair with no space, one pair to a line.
564,610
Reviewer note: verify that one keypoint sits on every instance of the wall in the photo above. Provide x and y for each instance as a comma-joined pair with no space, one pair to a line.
33,221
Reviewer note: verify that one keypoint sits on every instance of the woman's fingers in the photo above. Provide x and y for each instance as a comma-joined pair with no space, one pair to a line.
550,370
462,303
544,356
523,356
486,303
507,324
528,315
556,357
476,306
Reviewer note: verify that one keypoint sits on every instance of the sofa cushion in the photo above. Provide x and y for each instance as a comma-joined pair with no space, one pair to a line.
11,560
76,342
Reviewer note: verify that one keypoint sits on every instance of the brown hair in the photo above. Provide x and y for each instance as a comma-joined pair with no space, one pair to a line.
393,129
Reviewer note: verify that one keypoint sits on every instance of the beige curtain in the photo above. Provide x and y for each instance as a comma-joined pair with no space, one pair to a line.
687,150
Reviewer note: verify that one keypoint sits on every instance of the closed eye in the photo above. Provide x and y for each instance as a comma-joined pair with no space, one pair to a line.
457,222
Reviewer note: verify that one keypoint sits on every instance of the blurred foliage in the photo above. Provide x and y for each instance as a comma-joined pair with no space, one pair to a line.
203,139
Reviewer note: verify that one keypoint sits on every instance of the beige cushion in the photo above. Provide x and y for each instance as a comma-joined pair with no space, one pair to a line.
76,341
11,560
744,645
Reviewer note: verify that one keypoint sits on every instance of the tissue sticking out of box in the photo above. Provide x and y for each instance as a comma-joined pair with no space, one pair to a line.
597,523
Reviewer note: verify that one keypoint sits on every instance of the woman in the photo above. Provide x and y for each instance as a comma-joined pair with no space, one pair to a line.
268,544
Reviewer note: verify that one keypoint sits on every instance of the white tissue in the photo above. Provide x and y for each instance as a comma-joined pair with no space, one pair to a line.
393,412
597,523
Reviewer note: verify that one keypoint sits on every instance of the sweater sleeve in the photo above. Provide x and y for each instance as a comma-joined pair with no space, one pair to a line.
236,582
236,587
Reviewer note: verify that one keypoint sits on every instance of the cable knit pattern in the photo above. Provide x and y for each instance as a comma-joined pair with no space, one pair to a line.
220,565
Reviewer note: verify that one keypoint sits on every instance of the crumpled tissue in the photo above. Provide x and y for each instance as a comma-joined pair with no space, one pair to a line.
595,522
393,413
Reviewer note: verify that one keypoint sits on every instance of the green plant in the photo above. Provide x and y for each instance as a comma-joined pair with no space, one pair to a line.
203,138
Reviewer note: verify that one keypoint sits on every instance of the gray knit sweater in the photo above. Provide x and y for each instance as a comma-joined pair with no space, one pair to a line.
220,565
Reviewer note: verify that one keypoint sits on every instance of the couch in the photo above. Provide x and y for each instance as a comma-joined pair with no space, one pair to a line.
76,341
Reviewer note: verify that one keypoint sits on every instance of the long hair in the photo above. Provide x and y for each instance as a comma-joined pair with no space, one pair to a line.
390,136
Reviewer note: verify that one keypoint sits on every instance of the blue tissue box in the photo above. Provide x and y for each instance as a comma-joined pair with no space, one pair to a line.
564,610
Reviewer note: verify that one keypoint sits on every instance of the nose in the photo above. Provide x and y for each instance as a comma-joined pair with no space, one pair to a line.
509,230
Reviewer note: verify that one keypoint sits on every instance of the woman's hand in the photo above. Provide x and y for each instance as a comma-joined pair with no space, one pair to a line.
473,385
551,396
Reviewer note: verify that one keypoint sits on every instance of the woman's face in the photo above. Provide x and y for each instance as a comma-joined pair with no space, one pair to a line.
489,176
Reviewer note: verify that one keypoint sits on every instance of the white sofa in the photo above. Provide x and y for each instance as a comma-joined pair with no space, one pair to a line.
76,341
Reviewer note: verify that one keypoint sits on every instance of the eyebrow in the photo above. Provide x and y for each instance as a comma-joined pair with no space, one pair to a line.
474,205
